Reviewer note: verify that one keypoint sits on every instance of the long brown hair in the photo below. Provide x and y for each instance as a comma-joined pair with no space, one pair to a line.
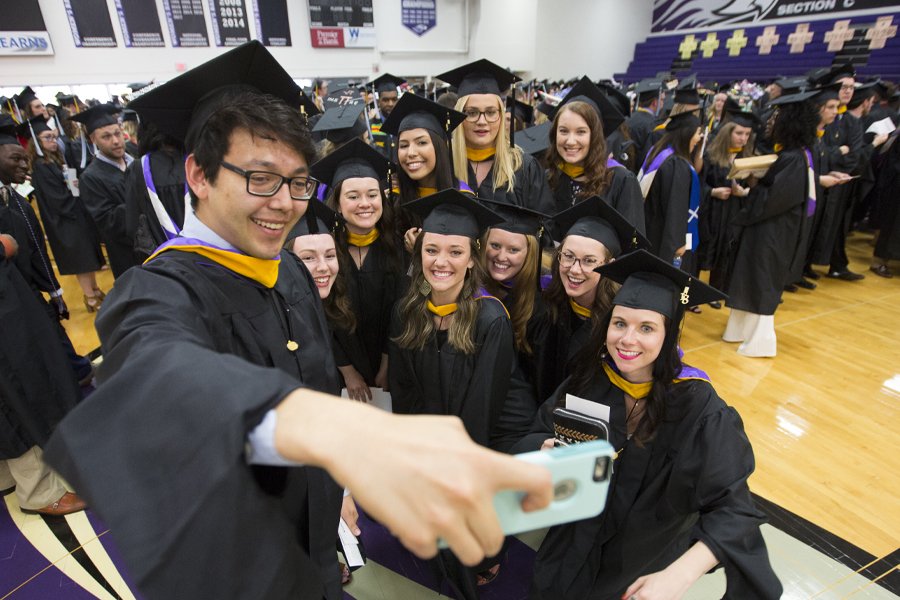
387,228
525,286
418,324
338,311
557,299
49,157
597,175
717,150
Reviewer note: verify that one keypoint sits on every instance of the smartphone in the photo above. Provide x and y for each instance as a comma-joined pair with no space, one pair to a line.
581,474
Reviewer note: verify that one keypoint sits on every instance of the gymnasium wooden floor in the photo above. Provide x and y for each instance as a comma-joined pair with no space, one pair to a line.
822,415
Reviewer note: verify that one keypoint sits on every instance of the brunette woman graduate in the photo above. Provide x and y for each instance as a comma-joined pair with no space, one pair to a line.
678,502
576,298
371,253
579,159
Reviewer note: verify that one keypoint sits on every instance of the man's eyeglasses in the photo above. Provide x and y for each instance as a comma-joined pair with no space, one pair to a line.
491,115
266,184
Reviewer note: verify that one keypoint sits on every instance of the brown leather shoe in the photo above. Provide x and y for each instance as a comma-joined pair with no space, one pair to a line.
68,504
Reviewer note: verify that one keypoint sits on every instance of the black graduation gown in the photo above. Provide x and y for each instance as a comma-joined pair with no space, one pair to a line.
769,235
640,124
666,207
887,246
530,188
845,131
102,188
623,194
37,387
689,483
555,345
73,153
373,290
70,230
141,224
19,220
440,380
715,217
194,356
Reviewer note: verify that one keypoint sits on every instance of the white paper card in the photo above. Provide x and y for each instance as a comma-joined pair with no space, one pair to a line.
883,126
587,407
350,545
71,177
380,398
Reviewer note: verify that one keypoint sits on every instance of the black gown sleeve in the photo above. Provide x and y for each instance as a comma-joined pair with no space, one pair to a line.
719,461
536,193
194,489
107,211
404,385
782,188
490,379
667,207
625,196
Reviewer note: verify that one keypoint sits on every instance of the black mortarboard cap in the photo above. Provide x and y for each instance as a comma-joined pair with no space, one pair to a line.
742,118
343,97
839,72
793,98
7,131
650,283
130,115
66,99
412,112
523,110
862,93
790,85
33,127
317,219
480,77
25,97
594,218
134,87
827,92
182,106
98,116
617,97
387,83
342,123
648,87
450,212
683,121
517,219
534,140
354,159
687,96
586,91
687,83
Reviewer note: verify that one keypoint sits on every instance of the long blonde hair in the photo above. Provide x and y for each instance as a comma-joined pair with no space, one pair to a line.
717,150
418,324
506,160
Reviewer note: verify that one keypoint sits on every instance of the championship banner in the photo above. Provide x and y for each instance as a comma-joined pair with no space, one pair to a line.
22,30
680,15
140,24
229,21
187,26
341,24
272,27
90,23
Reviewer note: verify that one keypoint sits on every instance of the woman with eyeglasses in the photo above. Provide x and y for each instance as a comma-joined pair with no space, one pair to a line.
483,156
371,252
70,230
579,161
678,504
593,234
